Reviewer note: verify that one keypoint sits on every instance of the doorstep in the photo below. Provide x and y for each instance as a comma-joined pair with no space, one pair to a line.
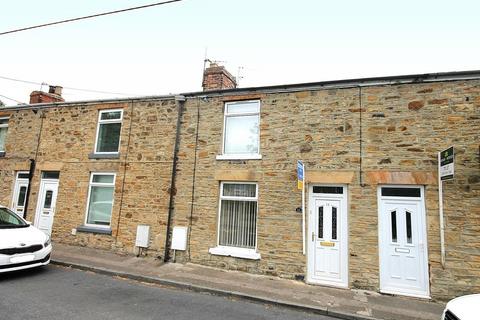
341,303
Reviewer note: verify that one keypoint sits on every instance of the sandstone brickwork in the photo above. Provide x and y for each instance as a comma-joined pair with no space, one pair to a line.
359,136
399,145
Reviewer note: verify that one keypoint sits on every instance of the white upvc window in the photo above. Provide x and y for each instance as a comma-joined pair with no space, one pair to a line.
109,127
237,221
241,130
3,133
100,199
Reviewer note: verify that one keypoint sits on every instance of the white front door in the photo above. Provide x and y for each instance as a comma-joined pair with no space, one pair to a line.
403,241
328,236
47,199
20,193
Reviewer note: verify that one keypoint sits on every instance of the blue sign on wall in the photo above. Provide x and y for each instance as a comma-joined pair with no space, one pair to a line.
300,174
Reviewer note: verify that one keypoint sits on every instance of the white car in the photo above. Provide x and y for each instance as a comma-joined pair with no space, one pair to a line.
22,246
463,308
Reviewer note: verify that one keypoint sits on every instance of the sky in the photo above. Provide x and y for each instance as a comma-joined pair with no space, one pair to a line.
161,50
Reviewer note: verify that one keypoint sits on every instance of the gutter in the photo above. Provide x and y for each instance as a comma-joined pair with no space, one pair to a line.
180,100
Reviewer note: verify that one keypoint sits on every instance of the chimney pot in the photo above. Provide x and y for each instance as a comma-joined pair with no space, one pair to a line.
55,90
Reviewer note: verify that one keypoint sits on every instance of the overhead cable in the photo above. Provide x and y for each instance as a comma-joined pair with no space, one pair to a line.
88,17
69,88
1,95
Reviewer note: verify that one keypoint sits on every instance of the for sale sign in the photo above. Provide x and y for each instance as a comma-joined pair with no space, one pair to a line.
446,164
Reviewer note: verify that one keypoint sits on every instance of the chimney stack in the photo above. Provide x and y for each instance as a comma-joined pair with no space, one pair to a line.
54,94
216,77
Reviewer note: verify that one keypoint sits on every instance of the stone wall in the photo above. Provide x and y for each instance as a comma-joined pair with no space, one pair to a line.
361,136
401,129
20,146
143,168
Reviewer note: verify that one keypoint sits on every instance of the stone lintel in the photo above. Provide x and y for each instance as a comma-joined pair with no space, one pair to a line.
236,175
402,177
50,166
243,97
105,106
22,166
338,177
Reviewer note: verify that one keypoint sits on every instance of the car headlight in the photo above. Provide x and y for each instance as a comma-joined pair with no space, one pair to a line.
47,242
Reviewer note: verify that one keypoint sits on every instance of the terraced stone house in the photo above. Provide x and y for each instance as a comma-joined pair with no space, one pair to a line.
213,175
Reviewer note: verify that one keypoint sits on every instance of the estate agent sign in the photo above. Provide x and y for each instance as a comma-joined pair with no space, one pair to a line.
446,164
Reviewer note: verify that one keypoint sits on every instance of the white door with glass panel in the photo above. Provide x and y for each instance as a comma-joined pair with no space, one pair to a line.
20,193
47,199
403,241
328,236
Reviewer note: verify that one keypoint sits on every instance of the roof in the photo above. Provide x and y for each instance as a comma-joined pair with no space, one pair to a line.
346,83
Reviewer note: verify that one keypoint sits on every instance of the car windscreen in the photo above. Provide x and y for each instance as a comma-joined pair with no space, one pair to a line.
8,219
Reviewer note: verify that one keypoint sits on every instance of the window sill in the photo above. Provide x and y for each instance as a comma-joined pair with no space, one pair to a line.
2,154
239,157
235,252
88,229
104,156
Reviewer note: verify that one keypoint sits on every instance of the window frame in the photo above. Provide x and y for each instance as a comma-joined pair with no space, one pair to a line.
4,125
246,253
100,184
100,122
226,114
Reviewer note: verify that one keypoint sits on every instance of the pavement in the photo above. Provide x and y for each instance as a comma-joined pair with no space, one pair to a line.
340,303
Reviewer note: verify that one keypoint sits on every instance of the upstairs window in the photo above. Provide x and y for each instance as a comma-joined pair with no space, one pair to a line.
108,131
241,129
3,133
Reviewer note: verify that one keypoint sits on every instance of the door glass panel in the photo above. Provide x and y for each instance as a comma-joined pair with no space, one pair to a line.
393,217
401,192
48,199
324,189
50,174
320,222
334,223
409,226
21,196
23,176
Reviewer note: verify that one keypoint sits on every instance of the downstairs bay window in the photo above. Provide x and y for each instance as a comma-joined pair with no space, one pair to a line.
237,224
